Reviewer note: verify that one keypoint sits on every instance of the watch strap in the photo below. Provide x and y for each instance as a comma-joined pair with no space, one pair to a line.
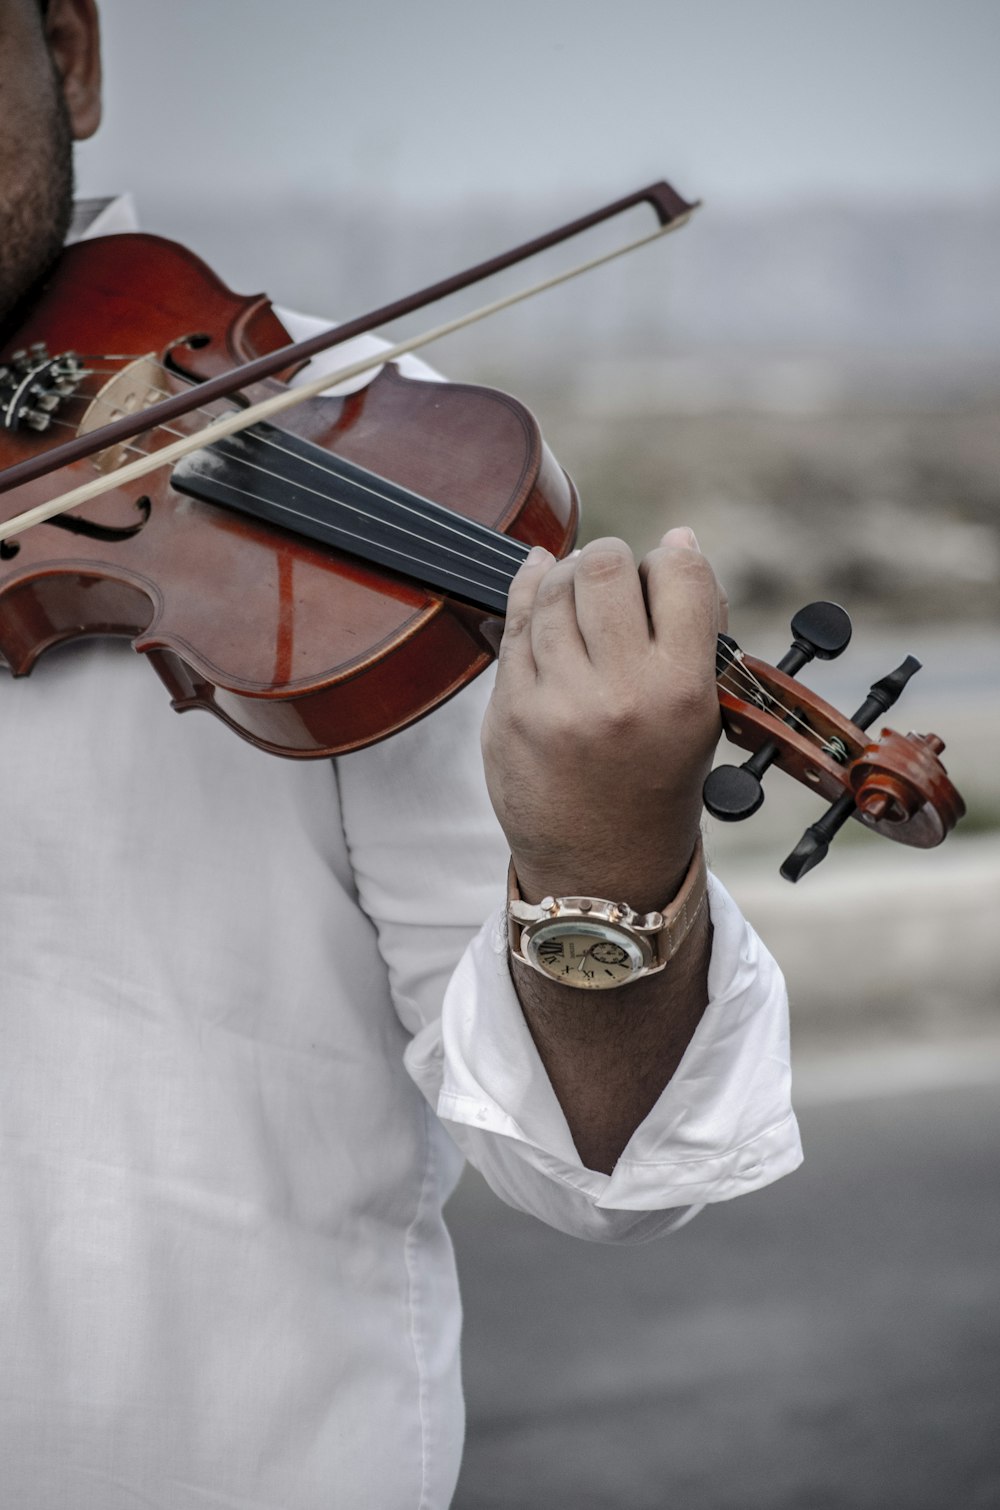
681,914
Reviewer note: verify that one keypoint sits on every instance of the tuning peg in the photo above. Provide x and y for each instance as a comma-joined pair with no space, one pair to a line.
815,842
820,629
732,793
814,845
882,694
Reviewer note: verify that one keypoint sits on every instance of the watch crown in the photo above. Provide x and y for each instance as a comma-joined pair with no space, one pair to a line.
586,904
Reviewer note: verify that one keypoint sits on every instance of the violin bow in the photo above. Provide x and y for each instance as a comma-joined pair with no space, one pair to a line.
671,211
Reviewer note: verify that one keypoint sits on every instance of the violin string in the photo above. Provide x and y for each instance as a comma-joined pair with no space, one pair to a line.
470,530
96,372
752,690
409,561
502,570
745,683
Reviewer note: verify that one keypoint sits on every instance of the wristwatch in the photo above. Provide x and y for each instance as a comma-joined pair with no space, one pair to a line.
595,944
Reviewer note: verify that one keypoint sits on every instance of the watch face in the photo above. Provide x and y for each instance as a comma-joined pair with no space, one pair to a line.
583,954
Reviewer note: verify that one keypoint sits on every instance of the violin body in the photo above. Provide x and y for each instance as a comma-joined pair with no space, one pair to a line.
301,649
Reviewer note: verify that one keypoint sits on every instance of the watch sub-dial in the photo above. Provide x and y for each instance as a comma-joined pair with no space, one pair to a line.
609,954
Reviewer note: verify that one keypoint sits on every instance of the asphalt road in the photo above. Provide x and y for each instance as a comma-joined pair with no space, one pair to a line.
832,1343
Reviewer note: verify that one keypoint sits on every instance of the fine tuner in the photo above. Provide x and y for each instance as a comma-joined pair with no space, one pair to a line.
895,785
34,385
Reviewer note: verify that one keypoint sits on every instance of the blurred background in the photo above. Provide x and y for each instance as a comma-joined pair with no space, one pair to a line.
809,374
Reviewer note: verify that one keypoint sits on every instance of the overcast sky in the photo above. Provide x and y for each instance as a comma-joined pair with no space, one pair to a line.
430,99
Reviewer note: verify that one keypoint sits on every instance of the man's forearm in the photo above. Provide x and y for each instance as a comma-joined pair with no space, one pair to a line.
609,1054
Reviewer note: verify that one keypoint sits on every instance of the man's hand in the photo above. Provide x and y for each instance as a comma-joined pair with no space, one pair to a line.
604,718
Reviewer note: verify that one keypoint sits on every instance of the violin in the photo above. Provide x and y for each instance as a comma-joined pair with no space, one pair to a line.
320,585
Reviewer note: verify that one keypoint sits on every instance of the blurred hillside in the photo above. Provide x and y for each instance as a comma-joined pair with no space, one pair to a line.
880,502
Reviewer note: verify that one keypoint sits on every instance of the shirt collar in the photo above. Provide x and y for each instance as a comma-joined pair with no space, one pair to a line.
102,217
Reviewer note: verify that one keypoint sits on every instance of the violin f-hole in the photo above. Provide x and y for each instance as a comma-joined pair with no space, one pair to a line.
173,362
76,525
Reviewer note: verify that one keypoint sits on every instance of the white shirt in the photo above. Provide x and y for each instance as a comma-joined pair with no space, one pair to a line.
226,980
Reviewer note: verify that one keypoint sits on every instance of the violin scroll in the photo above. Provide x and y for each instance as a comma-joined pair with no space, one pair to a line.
895,785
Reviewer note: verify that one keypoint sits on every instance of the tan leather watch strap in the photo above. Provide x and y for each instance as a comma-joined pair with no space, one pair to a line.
680,916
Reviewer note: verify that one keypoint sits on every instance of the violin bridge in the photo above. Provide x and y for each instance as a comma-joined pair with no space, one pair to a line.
139,385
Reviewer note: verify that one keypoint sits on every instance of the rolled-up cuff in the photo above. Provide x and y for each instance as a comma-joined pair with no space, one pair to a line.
723,1126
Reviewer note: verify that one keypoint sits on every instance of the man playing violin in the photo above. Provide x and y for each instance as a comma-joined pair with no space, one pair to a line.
253,1018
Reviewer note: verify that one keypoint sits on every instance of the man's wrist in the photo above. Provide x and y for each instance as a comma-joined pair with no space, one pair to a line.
645,882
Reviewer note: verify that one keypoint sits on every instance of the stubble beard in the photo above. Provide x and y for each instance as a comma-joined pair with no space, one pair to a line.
36,211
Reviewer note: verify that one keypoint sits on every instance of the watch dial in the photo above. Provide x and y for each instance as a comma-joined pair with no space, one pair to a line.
583,955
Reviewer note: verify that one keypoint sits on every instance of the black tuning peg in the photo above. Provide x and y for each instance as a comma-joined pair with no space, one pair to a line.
732,793
819,629
815,842
882,694
814,845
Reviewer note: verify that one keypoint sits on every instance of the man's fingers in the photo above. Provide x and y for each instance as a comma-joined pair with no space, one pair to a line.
683,535
684,601
589,604
555,633
595,601
610,607
515,646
